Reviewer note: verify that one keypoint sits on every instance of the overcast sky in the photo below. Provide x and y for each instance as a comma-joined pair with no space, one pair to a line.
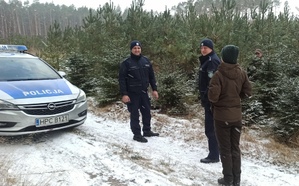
156,5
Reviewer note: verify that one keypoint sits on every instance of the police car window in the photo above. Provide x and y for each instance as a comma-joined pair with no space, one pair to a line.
18,69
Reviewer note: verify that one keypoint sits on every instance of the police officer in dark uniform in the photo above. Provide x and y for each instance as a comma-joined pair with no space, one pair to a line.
209,62
135,75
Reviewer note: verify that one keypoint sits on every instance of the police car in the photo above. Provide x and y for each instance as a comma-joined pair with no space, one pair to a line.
34,97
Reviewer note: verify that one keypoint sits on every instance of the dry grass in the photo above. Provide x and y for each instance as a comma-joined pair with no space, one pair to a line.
256,143
5,178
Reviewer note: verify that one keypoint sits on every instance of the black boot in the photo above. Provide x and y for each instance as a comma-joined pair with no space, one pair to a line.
140,138
223,182
150,134
237,181
209,160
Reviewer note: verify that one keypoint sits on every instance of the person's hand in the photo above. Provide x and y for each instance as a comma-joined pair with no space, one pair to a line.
202,103
211,108
125,99
155,94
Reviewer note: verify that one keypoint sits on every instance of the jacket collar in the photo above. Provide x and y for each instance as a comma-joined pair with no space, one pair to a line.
202,58
134,57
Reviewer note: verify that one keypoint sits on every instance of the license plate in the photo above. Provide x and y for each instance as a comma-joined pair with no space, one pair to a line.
40,122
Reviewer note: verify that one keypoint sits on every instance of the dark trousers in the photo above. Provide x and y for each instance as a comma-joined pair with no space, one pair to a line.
139,102
228,136
210,133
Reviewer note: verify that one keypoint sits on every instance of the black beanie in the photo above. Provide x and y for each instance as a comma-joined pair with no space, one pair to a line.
207,43
229,54
134,43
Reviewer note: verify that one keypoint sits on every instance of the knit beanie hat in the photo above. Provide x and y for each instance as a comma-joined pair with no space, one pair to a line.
230,53
208,43
134,43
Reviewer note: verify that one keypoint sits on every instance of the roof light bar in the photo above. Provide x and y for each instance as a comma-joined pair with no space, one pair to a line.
14,48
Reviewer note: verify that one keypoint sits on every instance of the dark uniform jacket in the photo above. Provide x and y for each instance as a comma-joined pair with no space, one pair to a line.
208,65
135,75
228,85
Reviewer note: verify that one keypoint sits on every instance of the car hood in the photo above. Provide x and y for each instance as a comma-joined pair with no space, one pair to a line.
23,91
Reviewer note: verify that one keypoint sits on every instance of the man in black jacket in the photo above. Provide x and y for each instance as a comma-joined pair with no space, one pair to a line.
135,75
209,63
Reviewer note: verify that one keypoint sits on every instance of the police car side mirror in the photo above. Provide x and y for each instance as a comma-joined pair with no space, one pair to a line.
63,74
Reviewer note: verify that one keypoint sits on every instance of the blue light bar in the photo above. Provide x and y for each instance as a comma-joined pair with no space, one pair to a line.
13,48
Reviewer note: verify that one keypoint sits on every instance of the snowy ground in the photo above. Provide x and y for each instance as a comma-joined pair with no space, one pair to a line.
101,152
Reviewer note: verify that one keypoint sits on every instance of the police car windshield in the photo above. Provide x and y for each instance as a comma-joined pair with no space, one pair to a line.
22,69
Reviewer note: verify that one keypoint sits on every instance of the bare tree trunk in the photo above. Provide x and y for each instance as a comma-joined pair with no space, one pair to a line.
35,23
18,27
23,27
2,26
30,25
10,24
45,27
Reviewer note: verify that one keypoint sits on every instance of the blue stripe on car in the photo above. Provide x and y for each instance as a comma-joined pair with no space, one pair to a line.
35,89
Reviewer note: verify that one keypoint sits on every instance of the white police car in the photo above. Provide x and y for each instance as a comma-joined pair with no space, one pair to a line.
34,97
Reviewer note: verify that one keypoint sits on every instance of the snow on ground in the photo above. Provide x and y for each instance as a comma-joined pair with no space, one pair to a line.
101,152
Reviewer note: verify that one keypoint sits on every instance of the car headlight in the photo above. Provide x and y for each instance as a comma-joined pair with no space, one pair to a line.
4,105
81,97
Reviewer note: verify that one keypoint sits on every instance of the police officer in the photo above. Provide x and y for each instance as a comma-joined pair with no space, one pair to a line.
135,75
209,62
